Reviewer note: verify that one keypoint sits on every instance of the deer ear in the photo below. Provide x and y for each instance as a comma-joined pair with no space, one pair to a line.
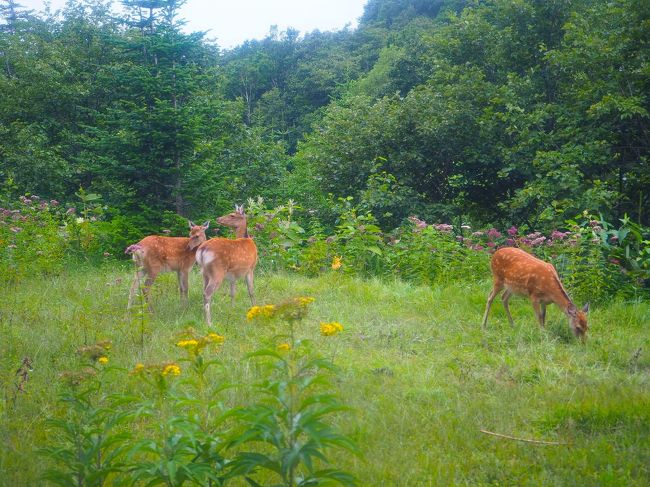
206,224
191,223
585,308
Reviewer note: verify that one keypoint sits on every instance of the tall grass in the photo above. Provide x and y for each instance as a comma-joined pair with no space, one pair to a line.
421,376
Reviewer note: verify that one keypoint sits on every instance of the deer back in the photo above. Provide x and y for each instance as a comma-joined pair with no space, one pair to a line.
523,273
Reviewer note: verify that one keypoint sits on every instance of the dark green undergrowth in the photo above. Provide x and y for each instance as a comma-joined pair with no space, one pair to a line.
421,376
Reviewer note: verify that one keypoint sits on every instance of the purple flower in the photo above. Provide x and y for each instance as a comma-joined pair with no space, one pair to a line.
418,223
512,231
510,242
493,233
491,245
557,235
538,241
478,247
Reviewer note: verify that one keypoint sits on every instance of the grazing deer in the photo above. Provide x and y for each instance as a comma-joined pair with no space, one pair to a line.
223,258
155,254
518,272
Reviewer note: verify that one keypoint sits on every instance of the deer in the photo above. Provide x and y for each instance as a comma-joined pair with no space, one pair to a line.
223,258
519,272
155,254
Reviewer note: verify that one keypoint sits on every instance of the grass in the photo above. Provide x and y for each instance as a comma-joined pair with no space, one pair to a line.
421,376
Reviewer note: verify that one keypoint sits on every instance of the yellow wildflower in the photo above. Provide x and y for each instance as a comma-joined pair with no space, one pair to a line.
336,263
102,360
187,343
284,347
329,329
214,338
265,311
172,369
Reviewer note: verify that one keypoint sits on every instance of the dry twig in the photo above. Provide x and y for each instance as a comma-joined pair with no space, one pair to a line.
541,442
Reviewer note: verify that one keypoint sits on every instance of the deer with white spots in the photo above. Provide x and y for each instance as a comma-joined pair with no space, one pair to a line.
518,272
223,258
155,254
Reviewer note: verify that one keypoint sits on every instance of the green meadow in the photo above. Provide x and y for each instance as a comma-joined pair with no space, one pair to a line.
420,376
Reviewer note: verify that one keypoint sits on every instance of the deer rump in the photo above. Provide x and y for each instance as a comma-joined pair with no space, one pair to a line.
221,258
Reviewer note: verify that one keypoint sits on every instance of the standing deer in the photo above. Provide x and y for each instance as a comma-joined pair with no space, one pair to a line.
521,273
223,258
155,254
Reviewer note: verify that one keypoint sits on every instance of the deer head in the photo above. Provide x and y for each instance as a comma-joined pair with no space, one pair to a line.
197,234
578,320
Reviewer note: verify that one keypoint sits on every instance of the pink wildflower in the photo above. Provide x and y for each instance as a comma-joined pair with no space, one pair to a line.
493,233
512,231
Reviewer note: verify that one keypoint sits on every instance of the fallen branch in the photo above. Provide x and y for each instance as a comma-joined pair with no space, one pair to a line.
541,442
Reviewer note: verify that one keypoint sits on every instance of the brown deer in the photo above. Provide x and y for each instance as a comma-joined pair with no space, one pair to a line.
155,254
518,272
223,258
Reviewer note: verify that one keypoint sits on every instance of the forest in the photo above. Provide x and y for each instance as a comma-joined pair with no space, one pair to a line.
379,168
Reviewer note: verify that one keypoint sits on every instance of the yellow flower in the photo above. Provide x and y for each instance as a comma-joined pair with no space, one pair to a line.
187,343
329,329
336,263
172,369
137,369
284,347
102,360
214,338
305,300
265,311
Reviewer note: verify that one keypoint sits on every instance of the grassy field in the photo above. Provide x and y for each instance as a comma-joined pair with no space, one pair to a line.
421,376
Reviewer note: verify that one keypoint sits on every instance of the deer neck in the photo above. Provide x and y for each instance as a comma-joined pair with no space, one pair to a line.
241,231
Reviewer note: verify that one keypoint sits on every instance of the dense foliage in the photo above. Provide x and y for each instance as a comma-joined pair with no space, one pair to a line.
483,112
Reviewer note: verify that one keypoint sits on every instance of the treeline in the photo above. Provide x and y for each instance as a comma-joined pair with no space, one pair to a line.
464,111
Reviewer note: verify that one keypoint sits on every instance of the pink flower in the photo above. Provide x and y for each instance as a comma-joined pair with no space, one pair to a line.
613,239
491,245
510,242
615,261
493,233
477,234
512,231
443,227
538,241
557,235
71,211
54,202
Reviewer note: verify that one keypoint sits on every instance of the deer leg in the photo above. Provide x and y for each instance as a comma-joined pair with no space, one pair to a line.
139,275
147,288
183,285
210,285
495,290
249,285
538,312
232,292
543,314
504,299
